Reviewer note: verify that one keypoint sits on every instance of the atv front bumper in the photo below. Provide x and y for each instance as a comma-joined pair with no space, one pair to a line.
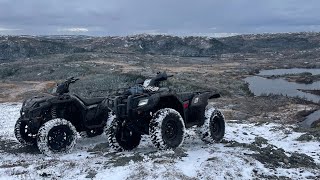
33,124
130,107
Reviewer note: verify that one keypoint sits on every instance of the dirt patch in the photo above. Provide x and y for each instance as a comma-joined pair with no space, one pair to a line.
278,109
116,160
13,147
126,67
17,91
309,134
274,157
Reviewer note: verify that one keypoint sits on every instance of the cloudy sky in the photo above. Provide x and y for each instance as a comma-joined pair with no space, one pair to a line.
177,17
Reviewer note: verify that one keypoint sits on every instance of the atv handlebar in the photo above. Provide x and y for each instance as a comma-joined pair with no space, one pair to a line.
71,80
159,77
64,87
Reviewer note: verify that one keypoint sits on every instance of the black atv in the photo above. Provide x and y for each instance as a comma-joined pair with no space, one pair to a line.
147,108
52,121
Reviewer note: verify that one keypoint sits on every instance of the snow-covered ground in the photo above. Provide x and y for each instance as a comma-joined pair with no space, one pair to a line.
237,157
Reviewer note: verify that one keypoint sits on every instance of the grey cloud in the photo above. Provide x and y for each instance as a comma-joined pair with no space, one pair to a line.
181,17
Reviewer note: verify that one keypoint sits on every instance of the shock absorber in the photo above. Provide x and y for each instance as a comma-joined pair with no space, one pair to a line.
53,112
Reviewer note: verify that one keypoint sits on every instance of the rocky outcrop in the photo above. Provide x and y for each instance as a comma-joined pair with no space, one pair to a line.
21,47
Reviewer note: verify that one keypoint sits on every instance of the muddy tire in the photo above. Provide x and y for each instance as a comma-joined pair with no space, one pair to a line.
121,138
56,136
213,129
91,133
23,133
167,129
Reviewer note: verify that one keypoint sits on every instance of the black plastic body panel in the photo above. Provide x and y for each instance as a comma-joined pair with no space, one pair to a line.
38,110
191,107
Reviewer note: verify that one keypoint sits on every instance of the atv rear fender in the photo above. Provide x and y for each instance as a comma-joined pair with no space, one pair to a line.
201,99
197,107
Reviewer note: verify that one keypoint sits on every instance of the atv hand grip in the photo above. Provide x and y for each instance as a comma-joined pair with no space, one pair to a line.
73,80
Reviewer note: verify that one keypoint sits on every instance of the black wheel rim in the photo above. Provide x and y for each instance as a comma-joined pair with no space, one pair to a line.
170,130
26,133
215,126
60,137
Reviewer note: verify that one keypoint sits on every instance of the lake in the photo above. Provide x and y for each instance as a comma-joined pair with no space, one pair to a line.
259,85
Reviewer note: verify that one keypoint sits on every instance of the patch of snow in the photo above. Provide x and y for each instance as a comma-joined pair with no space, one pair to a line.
276,134
93,158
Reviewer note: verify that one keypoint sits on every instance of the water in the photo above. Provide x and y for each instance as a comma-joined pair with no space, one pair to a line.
262,86
277,72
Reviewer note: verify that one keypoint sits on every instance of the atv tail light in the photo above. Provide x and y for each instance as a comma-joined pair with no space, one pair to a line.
143,102
186,105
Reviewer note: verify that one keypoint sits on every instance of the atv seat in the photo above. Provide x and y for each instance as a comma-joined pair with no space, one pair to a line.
187,96
90,101
163,89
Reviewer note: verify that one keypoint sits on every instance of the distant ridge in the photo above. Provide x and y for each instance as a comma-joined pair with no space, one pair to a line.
25,46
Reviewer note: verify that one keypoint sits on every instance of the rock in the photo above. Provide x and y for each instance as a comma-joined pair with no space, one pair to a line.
260,140
305,137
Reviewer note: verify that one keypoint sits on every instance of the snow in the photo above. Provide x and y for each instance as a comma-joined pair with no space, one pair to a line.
284,138
93,158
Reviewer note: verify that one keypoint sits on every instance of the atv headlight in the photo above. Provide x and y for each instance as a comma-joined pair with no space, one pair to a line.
143,102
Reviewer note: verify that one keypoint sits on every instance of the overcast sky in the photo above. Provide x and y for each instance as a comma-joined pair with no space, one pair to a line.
177,17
